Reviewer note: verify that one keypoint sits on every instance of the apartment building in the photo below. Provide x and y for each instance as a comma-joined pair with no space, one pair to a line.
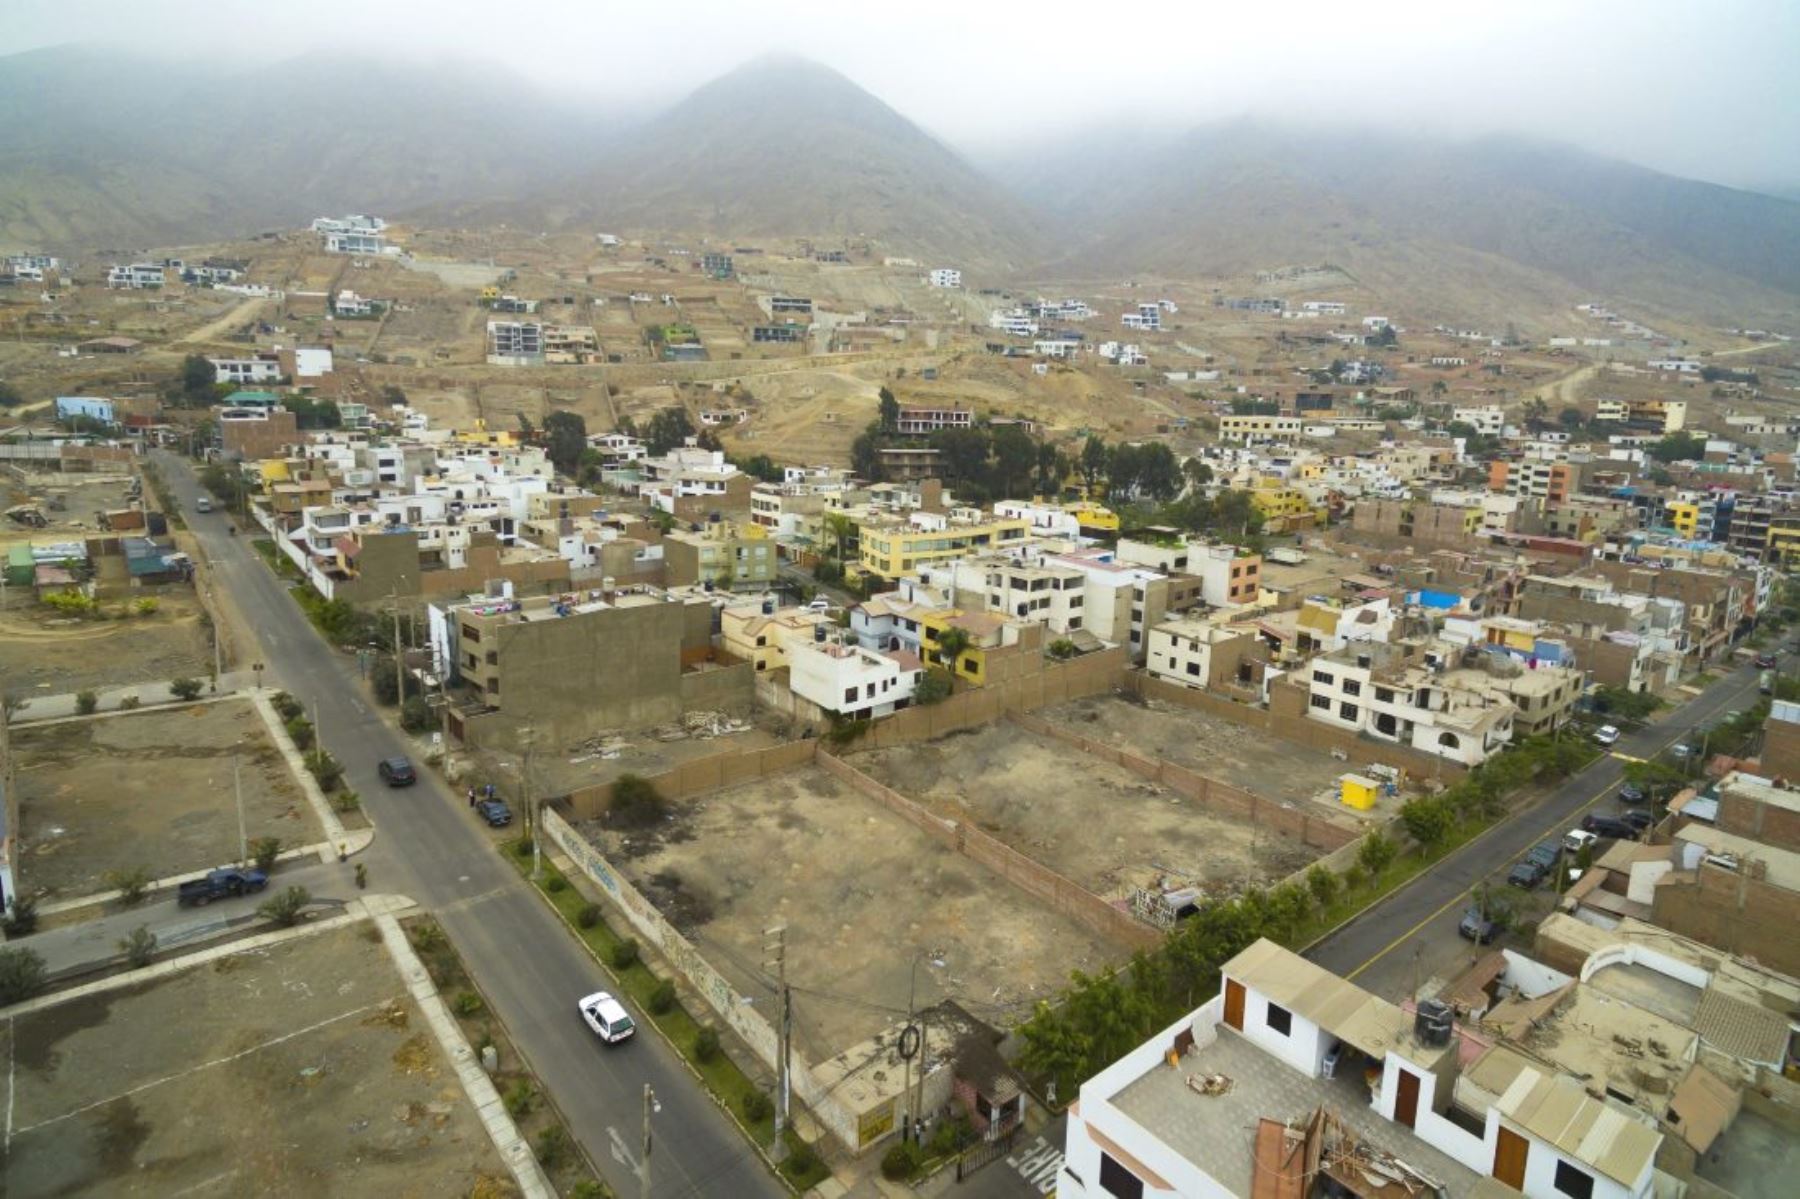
1391,694
1229,576
1122,602
1292,1079
890,549
1014,321
720,554
919,421
1247,429
139,276
1655,415
355,241
694,484
946,277
849,681
1197,652
1534,478
760,633
242,371
252,433
1486,419
515,343
348,304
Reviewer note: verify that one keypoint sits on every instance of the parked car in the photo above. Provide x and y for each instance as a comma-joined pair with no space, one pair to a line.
397,772
1527,874
1608,826
1765,661
203,503
1630,793
495,812
1545,853
1638,820
1606,734
220,884
607,1017
1577,839
1680,751
1476,927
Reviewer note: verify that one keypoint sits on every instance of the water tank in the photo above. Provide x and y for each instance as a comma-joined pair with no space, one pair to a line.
1432,1023
819,633
768,606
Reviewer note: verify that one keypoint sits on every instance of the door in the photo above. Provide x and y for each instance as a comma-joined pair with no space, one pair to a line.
1406,1103
1234,1005
1509,1158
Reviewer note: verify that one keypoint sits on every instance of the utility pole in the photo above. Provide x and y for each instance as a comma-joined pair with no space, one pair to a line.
399,656
237,787
650,1105
784,1034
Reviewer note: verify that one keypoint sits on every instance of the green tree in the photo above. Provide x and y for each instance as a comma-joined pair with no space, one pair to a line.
669,429
1015,458
1197,473
9,395
1427,819
951,644
1677,447
1375,854
264,851
186,689
636,802
139,947
132,884
196,380
22,974
284,909
565,436
1094,459
888,410
933,688
865,455
1052,467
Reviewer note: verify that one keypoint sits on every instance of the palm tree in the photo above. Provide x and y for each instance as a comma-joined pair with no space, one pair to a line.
951,644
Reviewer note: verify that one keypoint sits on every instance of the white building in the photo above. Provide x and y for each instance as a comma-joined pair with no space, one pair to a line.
348,303
1489,419
1180,650
1058,347
311,362
850,681
1356,688
1266,1081
138,276
1148,316
1376,323
945,276
1324,307
1046,520
246,370
1014,321
355,223
355,242
1680,366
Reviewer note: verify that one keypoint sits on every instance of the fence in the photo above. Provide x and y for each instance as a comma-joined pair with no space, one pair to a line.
702,774
1057,682
1208,793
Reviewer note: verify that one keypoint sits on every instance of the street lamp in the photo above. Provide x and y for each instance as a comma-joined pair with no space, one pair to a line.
650,1106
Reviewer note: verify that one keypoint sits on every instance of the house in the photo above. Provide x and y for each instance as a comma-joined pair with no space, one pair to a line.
693,484
890,549
849,681
1229,577
1324,307
251,434
917,421
85,408
1197,652
1014,321
138,276
760,634
717,265
240,371
348,304
946,277
515,343
311,364
351,241
1148,317
1486,419
1388,693
1249,428
111,345
721,554
1291,1073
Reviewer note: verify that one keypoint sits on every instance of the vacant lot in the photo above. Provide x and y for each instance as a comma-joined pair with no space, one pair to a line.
42,653
1094,823
862,894
1211,745
152,789
70,503
300,1070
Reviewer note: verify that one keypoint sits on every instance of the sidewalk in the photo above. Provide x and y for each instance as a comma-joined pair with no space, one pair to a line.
52,707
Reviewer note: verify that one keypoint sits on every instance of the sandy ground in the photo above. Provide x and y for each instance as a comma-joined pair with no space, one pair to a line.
1094,823
861,893
42,653
1217,748
82,497
301,1070
573,767
150,789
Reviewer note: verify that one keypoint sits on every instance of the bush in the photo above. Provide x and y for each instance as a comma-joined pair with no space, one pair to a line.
132,884
588,916
467,1003
284,909
1428,820
636,802
428,937
86,702
300,732
552,1146
522,847
1376,853
625,954
187,690
662,1000
706,1044
68,603
801,1161
21,974
139,947
346,801
1062,649
934,687
384,682
21,917
1323,884
757,1106
325,768
556,883
287,705
520,1098
415,714
901,1161
146,606
129,702
264,851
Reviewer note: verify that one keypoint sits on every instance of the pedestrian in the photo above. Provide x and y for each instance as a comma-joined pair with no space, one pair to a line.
471,795
490,790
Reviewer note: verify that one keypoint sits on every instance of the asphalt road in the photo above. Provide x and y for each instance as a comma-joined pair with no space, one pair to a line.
1433,902
430,847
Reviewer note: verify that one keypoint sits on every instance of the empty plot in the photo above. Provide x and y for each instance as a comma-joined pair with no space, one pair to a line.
299,1070
1096,824
152,789
862,893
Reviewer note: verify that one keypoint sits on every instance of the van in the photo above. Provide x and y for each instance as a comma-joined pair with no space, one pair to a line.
203,504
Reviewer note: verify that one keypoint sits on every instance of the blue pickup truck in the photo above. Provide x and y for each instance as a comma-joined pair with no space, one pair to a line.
220,884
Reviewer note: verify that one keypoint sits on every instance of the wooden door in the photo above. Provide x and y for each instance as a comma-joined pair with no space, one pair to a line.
1406,1103
1234,1004
1509,1158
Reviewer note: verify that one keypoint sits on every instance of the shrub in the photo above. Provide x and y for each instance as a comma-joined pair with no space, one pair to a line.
325,768
21,974
636,802
706,1044
139,947
625,954
1323,884
346,801
520,1098
428,937
587,1188
757,1106
934,687
287,705
128,702
801,1161
552,1146
1062,649
300,732
132,884
264,851
415,714
1376,853
900,1161
522,847
1428,820
588,916
21,917
86,702
186,690
285,908
68,603
467,1003
146,606
662,1000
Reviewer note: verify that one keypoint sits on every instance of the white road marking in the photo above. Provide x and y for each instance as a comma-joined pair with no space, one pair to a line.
621,1154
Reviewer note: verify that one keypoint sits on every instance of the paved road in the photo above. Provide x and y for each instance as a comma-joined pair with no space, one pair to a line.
429,846
1433,902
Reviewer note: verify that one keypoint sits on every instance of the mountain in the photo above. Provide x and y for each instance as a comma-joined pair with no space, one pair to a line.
1471,226
99,149
784,147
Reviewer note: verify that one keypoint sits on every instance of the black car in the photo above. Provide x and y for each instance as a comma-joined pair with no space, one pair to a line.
495,812
1765,661
397,772
1476,927
1629,794
1637,820
1608,826
1527,874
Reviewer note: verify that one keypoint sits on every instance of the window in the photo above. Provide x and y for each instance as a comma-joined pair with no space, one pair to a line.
1573,1181
1384,695
1193,668
1352,687
1347,711
849,695
1280,1020
1320,676
1322,702
1117,1180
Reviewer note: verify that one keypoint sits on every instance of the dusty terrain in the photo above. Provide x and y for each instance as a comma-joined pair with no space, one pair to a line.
1099,825
82,499
861,893
42,653
153,789
301,1070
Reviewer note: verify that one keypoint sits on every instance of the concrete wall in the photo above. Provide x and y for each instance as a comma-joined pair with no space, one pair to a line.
1731,910
703,774
724,688
1053,683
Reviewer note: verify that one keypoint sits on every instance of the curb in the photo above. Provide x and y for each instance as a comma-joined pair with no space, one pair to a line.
338,841
63,907
20,720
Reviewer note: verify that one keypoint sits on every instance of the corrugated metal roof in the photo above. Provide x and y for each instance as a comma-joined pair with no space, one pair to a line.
1340,1007
1559,1112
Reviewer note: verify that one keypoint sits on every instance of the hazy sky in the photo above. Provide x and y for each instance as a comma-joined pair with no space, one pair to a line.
1706,88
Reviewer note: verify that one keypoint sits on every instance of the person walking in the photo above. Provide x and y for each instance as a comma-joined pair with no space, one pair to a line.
471,795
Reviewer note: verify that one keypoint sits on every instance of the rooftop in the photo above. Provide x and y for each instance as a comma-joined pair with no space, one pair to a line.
1557,1110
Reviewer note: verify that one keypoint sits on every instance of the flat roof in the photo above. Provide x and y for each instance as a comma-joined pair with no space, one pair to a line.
1780,866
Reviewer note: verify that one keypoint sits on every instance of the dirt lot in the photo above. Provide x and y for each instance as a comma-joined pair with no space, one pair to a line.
82,498
1211,745
639,753
149,789
300,1070
45,654
861,893
1094,823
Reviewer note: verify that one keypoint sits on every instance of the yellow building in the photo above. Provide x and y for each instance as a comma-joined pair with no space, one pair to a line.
482,435
1285,508
1359,792
1784,542
1683,517
986,632
1096,520
889,551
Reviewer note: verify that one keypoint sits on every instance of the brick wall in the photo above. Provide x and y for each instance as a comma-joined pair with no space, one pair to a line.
1733,911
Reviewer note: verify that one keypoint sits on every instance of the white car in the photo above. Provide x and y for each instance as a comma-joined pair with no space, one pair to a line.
1606,734
607,1017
